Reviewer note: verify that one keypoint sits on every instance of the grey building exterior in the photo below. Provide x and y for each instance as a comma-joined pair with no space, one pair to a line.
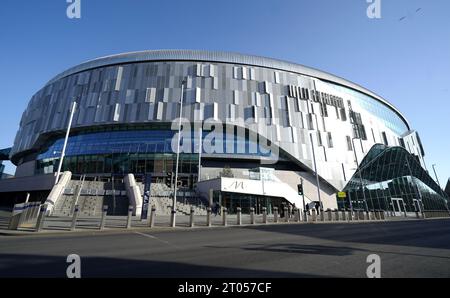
127,103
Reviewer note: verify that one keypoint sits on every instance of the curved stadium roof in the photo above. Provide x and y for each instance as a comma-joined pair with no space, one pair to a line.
223,57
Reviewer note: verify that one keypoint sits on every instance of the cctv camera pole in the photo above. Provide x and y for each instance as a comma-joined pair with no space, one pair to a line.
174,202
63,152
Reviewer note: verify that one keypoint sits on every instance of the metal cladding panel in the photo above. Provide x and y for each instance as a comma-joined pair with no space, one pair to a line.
216,56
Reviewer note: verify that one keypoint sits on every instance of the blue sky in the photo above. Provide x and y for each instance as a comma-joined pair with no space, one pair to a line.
407,61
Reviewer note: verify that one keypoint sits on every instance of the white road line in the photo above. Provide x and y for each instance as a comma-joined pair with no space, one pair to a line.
153,237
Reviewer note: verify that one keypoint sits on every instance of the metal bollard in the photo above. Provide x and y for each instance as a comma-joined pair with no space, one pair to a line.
366,215
383,217
343,215
330,218
305,216
313,215
321,215
350,215
103,220
264,211
297,215
192,215
286,214
41,217
252,215
152,217
336,215
130,214
275,214
238,216
224,217
75,217
208,216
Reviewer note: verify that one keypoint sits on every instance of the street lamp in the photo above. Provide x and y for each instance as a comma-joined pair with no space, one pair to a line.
360,175
174,201
317,175
440,188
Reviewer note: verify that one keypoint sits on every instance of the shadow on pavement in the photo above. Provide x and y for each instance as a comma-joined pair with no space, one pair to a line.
12,265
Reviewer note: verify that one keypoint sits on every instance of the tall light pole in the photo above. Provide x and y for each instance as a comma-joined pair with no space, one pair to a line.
174,201
439,184
63,152
360,175
437,179
200,149
317,175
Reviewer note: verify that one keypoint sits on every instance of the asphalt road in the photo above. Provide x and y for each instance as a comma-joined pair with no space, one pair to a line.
407,249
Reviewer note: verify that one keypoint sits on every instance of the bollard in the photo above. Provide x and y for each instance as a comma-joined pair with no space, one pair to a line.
152,217
41,217
238,216
103,220
313,217
264,210
286,214
297,215
329,215
191,221
336,215
343,215
383,217
208,217
367,215
224,217
15,216
417,214
130,214
321,215
305,215
275,214
350,215
252,215
75,217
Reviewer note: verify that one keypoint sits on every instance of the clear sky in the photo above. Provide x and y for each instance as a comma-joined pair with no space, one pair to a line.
404,56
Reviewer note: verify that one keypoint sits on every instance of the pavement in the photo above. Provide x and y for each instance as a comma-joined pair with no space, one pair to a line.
414,248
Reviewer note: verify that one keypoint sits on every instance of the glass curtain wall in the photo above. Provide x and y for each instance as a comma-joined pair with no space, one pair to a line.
389,176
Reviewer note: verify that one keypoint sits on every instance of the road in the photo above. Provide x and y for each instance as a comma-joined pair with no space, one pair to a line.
407,249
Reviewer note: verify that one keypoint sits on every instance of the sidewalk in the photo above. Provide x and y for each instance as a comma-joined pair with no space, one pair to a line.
117,224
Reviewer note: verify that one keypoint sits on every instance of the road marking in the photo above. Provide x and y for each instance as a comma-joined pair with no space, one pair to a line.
153,237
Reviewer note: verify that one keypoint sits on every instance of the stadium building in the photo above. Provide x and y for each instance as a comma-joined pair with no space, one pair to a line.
252,127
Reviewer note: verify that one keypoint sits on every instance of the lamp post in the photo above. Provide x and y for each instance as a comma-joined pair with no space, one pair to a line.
63,152
440,188
317,175
360,175
437,179
174,201
200,149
